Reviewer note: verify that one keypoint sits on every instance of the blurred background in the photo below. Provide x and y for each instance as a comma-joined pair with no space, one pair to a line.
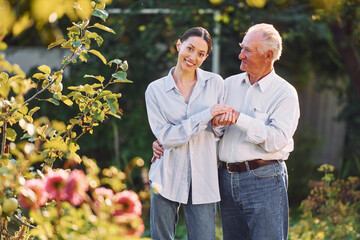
321,46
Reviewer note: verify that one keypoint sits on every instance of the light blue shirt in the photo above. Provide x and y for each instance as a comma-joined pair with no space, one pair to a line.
189,143
269,115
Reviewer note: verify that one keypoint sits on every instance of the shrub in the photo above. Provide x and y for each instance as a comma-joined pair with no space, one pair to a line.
77,201
332,209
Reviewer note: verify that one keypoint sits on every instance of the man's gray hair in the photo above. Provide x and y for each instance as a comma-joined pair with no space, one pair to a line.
271,39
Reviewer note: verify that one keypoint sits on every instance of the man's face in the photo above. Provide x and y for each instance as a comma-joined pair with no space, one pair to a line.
252,61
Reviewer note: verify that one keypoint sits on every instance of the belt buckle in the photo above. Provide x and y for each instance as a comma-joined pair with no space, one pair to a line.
227,168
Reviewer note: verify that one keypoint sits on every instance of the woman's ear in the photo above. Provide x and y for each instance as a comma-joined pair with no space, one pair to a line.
178,45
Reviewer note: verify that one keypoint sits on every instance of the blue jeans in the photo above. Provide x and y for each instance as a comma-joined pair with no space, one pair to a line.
164,215
254,204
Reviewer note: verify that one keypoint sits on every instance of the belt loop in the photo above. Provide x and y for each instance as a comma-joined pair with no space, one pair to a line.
247,166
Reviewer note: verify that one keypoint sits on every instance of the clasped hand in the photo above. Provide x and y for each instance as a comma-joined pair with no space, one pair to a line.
223,115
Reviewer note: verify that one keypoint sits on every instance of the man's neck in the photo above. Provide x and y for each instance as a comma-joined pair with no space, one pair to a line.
254,78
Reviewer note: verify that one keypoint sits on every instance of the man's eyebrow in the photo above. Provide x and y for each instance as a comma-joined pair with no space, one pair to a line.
242,46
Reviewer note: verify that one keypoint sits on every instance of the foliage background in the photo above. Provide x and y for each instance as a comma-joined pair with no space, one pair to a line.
147,41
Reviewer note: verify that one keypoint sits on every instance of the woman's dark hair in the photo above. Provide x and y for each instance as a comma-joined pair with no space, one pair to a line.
198,32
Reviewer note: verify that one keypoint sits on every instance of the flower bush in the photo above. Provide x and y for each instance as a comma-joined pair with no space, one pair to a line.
77,201
332,209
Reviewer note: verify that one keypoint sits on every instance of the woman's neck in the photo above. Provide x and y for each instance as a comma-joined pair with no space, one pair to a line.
184,76
185,81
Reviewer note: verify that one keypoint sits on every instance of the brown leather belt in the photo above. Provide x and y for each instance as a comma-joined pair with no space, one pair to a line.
241,167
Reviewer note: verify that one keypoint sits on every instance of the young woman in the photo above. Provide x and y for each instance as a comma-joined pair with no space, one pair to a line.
180,107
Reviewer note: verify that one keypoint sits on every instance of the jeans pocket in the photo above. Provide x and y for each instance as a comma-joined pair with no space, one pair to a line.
267,171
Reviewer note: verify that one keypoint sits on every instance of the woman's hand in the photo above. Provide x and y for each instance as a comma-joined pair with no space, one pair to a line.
158,151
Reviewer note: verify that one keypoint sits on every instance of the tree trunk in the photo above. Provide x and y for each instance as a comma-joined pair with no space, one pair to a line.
349,55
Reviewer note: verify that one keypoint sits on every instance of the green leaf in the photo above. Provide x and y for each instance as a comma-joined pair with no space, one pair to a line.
99,55
56,43
100,13
99,115
99,78
113,104
45,69
120,75
84,56
124,66
76,43
116,61
53,101
74,29
4,171
10,134
105,93
103,27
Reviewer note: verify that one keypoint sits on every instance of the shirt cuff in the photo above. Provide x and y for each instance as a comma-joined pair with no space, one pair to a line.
243,122
206,116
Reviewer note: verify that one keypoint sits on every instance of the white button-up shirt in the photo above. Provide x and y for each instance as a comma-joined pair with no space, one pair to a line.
189,157
269,114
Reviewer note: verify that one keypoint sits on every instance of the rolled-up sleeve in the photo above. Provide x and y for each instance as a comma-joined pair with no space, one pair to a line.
169,134
276,132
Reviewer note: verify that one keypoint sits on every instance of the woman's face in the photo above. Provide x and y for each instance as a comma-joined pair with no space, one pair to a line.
192,53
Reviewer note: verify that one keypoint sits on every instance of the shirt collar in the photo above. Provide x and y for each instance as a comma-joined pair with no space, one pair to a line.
202,77
265,82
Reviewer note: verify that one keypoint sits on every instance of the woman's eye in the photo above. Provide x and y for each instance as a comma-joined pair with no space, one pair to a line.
189,48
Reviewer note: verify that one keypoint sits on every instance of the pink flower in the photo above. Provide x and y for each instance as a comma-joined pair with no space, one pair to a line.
76,187
127,202
55,182
102,194
33,194
130,225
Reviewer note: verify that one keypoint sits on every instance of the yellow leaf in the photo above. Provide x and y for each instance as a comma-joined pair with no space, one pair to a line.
23,23
56,143
39,76
99,78
56,43
7,17
45,69
10,134
103,27
99,55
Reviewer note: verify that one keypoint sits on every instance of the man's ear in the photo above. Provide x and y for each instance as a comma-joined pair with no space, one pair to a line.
269,56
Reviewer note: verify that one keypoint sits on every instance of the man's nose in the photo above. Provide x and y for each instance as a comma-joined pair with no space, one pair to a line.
241,55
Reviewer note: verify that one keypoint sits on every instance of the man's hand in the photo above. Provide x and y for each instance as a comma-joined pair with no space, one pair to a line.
225,119
219,109
158,151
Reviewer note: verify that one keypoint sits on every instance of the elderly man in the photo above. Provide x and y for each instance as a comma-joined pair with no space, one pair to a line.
256,142
256,139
